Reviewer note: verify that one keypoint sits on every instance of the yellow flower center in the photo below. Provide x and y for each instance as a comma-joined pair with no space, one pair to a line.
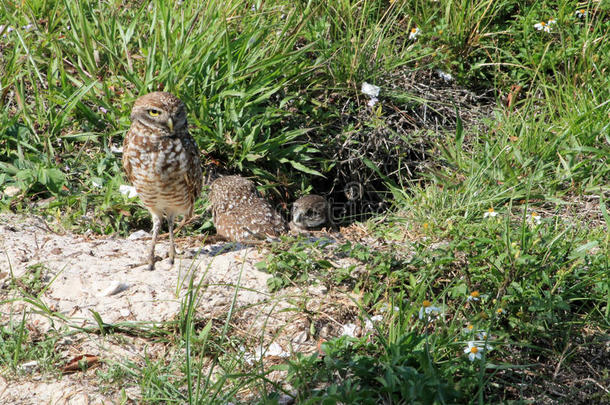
491,209
542,23
426,304
474,349
470,327
475,294
582,11
413,30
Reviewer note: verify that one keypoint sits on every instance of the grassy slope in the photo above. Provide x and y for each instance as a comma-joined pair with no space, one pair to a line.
261,81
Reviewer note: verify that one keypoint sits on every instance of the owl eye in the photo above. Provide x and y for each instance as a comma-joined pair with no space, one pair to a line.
153,112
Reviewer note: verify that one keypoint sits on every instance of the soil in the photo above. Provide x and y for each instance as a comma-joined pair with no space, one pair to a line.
82,278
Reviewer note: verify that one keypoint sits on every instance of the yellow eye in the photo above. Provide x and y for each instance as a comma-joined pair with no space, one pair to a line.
153,113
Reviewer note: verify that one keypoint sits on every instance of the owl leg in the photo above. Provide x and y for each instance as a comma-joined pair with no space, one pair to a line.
156,226
172,248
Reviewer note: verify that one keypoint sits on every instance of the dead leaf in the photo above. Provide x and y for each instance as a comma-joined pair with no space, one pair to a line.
80,363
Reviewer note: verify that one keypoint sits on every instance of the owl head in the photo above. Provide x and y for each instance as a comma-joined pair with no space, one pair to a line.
309,212
160,111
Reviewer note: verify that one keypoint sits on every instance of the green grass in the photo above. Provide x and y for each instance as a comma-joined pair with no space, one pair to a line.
273,91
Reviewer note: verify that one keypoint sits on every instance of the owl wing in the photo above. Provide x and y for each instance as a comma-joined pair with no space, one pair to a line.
193,178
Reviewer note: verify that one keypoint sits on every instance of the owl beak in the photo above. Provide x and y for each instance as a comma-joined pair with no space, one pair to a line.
170,125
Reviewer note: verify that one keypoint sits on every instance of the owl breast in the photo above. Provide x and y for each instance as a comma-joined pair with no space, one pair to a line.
160,173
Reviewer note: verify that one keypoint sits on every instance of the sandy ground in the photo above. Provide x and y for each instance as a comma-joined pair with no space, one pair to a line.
87,275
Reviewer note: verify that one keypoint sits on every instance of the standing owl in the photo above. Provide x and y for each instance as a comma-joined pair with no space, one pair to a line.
240,213
161,160
309,213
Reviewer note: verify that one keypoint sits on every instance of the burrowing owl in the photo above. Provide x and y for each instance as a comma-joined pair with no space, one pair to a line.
161,160
309,213
240,213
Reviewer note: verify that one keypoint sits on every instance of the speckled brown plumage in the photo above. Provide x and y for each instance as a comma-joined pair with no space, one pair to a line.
240,213
161,160
309,212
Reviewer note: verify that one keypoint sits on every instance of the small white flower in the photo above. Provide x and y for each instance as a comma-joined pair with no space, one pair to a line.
481,335
475,350
534,219
468,329
370,89
414,33
545,26
490,213
582,13
474,296
372,102
428,310
103,110
129,191
27,27
542,26
445,76
96,184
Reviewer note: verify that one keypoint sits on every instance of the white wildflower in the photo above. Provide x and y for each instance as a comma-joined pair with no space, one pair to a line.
490,213
445,76
428,310
370,89
543,26
481,335
534,219
582,13
475,350
414,33
468,329
474,296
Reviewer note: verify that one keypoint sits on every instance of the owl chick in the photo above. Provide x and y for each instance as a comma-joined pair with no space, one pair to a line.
309,213
240,213
161,160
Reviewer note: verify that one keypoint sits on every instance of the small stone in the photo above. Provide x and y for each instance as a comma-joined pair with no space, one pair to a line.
11,191
349,330
141,234
125,312
114,288
319,289
287,399
29,367
300,337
